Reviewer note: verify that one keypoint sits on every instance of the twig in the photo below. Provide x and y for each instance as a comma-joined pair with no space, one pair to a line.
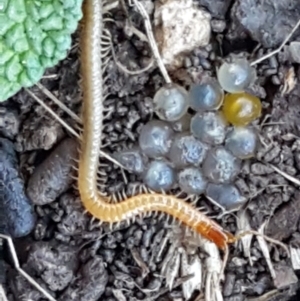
285,175
2,294
68,127
56,117
152,42
279,48
21,271
59,103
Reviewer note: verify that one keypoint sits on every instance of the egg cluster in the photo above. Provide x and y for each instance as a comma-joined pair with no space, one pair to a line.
202,152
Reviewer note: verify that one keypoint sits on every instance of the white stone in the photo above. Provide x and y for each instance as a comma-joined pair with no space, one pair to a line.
180,27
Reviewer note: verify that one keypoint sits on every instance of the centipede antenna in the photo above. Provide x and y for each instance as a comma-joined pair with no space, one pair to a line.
269,239
21,271
224,263
151,39
279,48
59,103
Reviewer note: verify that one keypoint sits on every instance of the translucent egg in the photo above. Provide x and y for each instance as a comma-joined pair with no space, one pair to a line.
241,109
159,176
209,127
183,124
236,76
226,195
155,138
242,142
220,166
171,102
186,149
132,160
206,96
191,180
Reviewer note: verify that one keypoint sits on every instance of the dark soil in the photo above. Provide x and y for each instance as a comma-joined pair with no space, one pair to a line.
76,259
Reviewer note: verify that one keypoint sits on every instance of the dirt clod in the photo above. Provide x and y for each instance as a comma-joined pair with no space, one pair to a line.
267,21
17,214
54,175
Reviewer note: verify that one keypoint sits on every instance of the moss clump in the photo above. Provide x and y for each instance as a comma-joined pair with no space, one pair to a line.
34,35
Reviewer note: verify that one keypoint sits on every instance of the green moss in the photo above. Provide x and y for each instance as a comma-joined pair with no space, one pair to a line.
35,35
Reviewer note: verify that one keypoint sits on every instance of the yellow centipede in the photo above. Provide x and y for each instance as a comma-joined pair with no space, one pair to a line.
92,116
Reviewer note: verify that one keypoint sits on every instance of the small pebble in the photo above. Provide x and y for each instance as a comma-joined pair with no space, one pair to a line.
276,80
227,195
89,283
159,176
294,49
209,127
155,138
192,181
218,25
205,64
220,166
171,102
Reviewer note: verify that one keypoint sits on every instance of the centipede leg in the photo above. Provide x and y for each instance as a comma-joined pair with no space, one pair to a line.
269,239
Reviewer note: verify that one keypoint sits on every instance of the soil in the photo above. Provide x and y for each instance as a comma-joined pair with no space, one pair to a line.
72,256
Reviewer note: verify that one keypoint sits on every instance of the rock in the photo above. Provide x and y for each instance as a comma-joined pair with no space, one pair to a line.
267,21
55,263
294,50
55,174
285,276
17,216
90,283
180,27
217,8
284,222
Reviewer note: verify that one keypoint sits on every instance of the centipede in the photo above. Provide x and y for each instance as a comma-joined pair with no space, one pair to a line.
97,205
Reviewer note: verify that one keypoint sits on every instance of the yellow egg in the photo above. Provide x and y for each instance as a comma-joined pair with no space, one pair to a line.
241,108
